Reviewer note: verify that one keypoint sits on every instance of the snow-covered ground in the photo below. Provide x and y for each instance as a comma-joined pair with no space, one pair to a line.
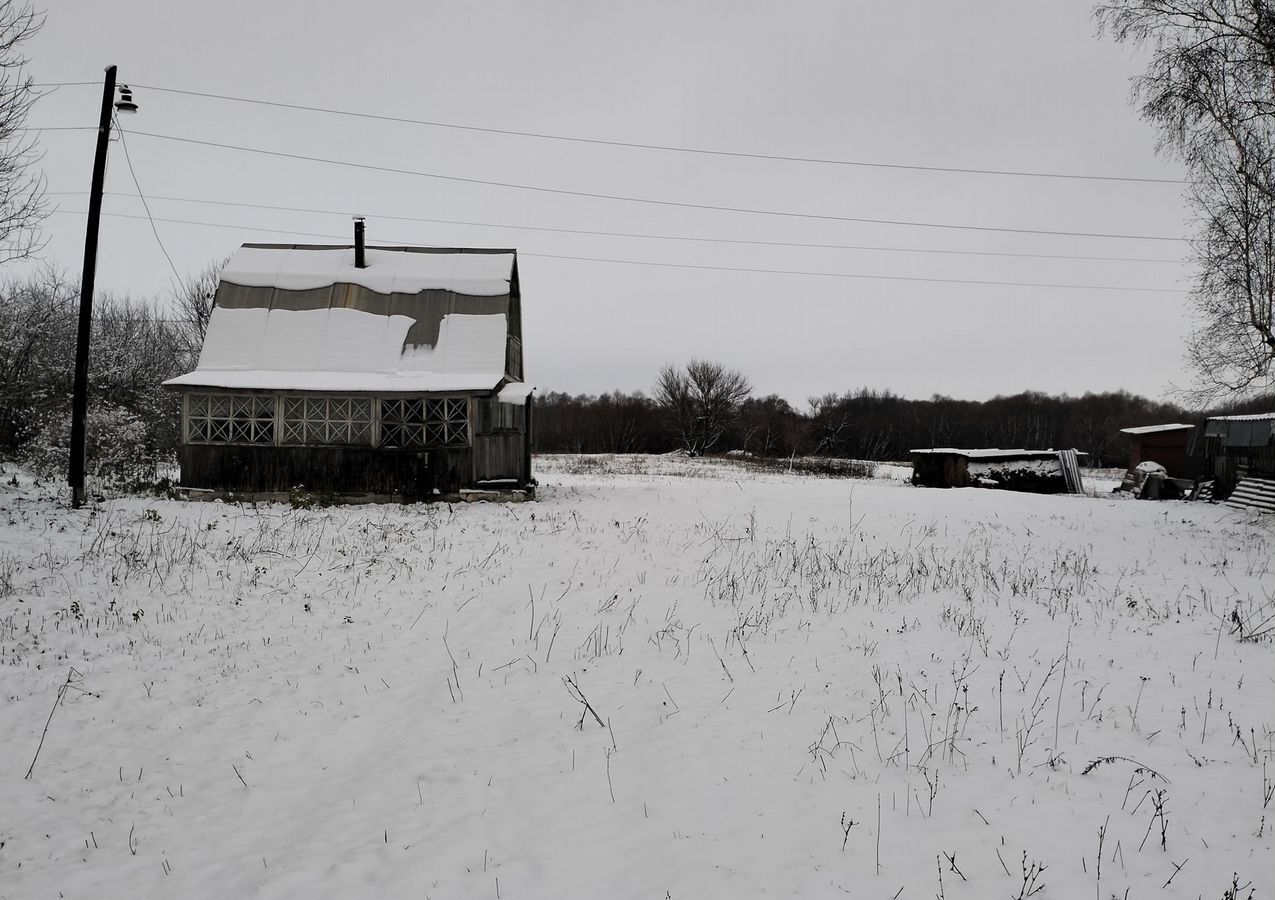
795,686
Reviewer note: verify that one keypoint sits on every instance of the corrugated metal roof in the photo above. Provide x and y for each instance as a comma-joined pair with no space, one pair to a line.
1253,417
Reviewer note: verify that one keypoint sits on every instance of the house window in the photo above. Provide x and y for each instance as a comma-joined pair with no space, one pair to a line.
327,420
230,419
243,418
425,423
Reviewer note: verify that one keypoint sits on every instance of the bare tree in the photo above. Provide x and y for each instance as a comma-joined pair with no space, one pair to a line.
22,205
700,401
193,304
1210,89
831,424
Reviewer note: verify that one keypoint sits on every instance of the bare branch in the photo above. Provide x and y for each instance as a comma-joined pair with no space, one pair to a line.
22,190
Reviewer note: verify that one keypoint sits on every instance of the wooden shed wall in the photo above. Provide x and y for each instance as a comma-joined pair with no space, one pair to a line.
1227,465
1168,448
1235,448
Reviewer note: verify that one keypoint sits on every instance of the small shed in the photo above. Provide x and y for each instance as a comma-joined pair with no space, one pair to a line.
380,372
1168,445
1236,447
1036,471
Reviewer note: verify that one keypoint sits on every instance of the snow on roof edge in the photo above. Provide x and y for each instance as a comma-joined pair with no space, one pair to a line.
515,393
992,453
1153,429
278,349
1251,417
339,382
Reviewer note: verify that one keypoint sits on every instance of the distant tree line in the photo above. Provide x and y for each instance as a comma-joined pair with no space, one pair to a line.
864,423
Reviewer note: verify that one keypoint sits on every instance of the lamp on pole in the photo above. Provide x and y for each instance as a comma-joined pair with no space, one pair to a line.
80,390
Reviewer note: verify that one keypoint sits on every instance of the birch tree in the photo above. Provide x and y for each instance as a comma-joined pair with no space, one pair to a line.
1210,89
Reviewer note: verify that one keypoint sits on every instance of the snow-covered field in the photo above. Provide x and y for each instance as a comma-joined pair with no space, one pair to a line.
679,679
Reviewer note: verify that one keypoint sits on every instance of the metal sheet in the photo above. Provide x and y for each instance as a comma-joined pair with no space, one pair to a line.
1238,434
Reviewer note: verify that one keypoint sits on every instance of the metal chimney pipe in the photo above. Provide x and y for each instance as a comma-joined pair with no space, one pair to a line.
360,251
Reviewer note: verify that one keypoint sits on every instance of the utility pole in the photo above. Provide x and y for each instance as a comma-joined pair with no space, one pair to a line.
80,393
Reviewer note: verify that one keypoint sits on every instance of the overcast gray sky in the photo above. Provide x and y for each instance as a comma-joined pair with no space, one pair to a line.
1007,85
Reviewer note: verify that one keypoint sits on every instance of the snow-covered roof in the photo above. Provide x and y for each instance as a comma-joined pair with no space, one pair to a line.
285,320
346,349
993,453
515,393
388,271
1253,417
1155,429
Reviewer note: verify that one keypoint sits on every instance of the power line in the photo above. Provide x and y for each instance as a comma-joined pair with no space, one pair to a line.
643,235
666,148
146,206
646,200
632,262
248,228
1025,284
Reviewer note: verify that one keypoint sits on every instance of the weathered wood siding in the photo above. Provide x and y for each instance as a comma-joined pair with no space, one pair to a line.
363,470
499,457
513,358
500,442
1227,465
411,474
450,470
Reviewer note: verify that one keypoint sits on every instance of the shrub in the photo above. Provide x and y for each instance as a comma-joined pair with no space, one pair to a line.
119,449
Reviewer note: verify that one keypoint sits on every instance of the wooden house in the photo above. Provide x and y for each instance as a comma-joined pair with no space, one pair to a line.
1238,447
379,372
